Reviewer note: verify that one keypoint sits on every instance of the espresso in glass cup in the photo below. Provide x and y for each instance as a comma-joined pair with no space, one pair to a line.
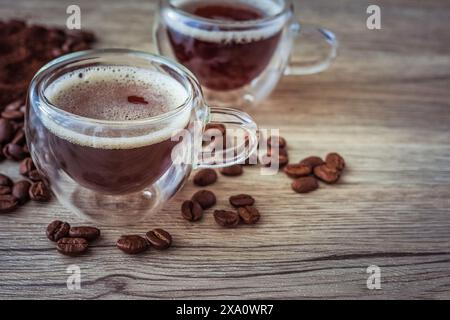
116,133
238,49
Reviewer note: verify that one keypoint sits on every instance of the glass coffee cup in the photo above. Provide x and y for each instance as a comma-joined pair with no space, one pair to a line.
239,49
117,132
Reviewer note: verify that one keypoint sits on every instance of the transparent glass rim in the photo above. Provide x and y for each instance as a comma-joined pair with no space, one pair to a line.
286,10
42,76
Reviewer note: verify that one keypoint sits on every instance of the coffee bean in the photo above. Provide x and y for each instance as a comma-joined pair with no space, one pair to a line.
5,181
205,198
248,214
159,239
15,105
335,160
72,246
232,171
85,232
191,210
273,151
8,203
39,192
132,244
205,177
34,175
14,152
228,219
305,184
6,131
297,170
19,137
57,230
327,174
275,141
20,190
278,162
26,166
312,161
241,200
5,190
12,115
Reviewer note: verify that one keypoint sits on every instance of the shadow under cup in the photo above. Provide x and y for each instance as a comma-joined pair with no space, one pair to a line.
114,172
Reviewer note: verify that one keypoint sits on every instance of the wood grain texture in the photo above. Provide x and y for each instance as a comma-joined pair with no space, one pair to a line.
384,105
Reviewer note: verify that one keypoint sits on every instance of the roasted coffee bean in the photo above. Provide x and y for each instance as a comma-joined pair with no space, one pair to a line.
85,232
19,137
57,230
15,105
241,200
297,170
8,203
34,175
327,174
205,177
276,142
26,166
132,244
72,246
20,190
205,198
305,184
14,152
248,214
228,219
191,210
335,160
5,190
12,115
5,181
312,161
6,131
278,162
39,192
159,239
232,171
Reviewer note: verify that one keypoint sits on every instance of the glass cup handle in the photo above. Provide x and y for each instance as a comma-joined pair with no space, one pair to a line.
314,49
238,152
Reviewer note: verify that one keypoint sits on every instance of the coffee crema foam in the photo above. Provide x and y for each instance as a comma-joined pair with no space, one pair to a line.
101,93
269,7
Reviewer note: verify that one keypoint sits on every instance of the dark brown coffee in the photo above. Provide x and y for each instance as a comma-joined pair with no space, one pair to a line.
220,57
110,162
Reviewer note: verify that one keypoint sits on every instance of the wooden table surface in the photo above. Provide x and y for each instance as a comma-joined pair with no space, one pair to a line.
384,105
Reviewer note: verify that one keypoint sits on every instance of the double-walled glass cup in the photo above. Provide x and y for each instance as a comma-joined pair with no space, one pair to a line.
117,172
240,62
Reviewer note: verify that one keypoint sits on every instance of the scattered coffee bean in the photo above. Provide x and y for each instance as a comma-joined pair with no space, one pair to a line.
15,105
327,174
5,181
159,239
5,190
8,203
305,184
39,192
232,171
72,246
248,214
34,175
279,162
14,152
85,232
297,170
12,115
57,230
228,219
205,177
6,131
276,142
312,161
191,210
20,190
335,160
205,198
132,244
241,200
26,166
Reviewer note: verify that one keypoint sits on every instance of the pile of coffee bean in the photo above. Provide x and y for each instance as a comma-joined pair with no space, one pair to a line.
23,50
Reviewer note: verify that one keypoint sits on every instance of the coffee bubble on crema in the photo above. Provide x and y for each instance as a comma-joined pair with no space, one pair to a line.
101,93
204,33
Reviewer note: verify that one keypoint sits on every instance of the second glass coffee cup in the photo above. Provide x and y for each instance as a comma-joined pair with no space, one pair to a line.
117,132
239,49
